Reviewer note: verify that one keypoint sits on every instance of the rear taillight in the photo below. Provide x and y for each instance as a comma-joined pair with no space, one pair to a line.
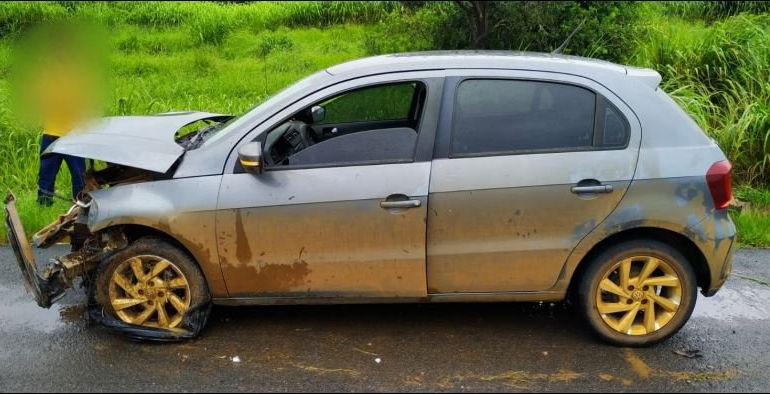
718,179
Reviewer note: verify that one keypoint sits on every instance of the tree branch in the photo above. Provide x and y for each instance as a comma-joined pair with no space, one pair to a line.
464,6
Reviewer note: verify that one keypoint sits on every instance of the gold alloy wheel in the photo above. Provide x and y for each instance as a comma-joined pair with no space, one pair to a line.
639,295
149,291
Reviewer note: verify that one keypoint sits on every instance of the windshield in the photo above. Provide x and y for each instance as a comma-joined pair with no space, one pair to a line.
304,84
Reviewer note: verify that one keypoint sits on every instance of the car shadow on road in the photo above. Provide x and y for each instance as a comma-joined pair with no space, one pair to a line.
524,320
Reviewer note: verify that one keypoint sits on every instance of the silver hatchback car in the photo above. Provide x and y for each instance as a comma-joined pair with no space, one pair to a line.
420,177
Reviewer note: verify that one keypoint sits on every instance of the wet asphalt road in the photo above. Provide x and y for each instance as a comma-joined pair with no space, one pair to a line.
437,347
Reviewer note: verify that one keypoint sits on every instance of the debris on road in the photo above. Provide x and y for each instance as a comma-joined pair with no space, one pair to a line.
688,353
365,352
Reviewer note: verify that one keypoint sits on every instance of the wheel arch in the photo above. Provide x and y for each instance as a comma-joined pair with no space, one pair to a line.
680,242
198,253
135,231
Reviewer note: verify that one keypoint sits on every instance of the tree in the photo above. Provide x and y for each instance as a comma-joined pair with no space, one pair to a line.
539,26
477,13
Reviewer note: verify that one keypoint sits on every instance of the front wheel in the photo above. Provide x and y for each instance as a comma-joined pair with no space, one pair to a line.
637,293
152,288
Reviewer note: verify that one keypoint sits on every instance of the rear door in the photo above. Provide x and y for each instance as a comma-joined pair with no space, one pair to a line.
526,164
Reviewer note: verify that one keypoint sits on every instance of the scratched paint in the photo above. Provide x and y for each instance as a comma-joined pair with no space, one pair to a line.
508,239
691,213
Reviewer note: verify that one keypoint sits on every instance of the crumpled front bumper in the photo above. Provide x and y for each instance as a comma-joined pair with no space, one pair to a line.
43,290
48,288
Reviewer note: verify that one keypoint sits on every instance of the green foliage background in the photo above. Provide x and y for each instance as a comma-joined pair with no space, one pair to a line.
228,56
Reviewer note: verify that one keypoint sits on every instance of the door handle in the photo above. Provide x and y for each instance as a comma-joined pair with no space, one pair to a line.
400,204
592,189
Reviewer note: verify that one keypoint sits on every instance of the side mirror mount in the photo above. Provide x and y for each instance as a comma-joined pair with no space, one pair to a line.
250,156
318,112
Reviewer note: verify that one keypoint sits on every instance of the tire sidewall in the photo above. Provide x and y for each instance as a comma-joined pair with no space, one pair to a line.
199,294
601,264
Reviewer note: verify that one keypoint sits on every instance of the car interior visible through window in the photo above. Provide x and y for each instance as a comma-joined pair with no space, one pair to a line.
372,124
504,116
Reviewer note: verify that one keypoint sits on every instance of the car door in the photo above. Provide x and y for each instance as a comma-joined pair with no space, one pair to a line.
527,164
347,217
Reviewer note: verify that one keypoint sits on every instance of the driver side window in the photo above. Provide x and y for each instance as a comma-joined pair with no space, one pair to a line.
386,102
369,125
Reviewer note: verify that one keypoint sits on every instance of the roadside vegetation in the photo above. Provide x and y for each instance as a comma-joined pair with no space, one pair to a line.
228,56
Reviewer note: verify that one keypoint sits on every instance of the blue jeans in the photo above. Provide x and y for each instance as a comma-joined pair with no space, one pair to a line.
49,167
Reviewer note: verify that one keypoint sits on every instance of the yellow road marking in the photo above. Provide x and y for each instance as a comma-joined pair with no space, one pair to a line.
637,364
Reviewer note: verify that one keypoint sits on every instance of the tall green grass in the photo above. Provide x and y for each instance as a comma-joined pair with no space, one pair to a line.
164,57
752,228
713,10
225,57
208,22
719,74
237,74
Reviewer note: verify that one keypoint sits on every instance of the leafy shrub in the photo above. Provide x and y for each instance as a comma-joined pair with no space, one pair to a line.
406,31
513,25
274,41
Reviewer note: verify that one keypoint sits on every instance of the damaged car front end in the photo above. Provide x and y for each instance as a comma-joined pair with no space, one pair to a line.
113,141
88,250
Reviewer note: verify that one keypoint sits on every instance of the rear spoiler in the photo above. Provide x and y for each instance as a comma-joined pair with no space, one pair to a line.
646,76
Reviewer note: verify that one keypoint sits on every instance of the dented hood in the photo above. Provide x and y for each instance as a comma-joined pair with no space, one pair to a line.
145,142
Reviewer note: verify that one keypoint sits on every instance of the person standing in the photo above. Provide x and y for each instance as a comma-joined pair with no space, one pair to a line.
63,89
50,164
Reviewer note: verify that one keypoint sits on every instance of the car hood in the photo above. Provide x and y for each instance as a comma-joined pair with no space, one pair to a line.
145,142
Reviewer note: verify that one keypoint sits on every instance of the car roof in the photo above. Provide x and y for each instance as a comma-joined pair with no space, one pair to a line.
470,59
488,59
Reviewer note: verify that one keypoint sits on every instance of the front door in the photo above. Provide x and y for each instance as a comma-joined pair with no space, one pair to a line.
343,216
325,232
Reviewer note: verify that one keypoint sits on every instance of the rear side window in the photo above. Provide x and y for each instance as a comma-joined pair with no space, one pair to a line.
615,127
508,116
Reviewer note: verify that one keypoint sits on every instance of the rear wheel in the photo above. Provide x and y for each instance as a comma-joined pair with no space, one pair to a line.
638,293
152,284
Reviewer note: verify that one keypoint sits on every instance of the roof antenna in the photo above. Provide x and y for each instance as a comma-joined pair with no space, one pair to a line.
561,47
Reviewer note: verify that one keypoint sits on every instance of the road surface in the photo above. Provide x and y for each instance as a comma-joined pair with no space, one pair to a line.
406,348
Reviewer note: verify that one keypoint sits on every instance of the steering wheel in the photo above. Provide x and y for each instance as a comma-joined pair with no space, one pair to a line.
285,132
304,131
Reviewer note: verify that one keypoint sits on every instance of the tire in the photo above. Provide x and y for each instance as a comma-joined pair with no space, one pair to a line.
669,291
169,301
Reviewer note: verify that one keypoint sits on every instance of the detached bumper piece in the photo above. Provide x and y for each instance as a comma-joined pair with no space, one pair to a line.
45,290
60,274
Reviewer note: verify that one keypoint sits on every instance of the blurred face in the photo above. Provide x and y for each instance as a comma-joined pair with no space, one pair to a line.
60,76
